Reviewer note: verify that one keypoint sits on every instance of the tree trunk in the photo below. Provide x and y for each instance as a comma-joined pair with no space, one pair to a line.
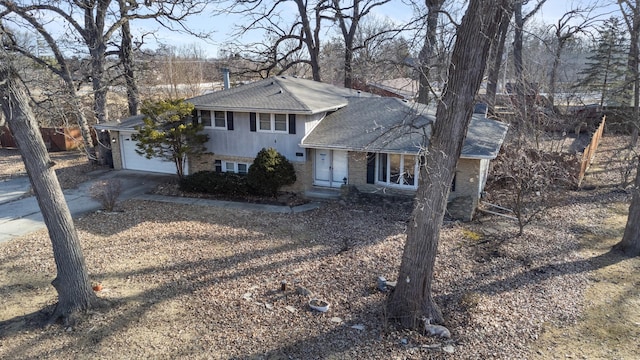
554,73
635,72
126,57
348,62
496,64
311,38
72,280
518,65
64,72
83,124
428,51
412,297
99,88
630,243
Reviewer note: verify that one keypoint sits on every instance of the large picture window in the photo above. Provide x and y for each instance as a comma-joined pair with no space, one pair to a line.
396,170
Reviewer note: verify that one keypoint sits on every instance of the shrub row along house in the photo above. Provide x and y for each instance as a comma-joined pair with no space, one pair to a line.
333,136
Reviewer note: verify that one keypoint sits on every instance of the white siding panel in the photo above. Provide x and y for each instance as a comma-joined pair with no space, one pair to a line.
242,142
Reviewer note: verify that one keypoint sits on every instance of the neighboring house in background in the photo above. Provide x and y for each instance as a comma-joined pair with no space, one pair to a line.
403,88
333,136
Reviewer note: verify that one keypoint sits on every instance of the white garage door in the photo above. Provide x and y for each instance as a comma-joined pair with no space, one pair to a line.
133,161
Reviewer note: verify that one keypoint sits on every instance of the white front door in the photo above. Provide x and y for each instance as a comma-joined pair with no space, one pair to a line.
331,168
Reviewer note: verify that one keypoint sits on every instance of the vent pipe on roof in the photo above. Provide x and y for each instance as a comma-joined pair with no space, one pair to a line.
225,78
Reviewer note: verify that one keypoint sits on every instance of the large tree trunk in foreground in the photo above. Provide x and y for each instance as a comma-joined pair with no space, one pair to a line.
412,297
72,280
630,243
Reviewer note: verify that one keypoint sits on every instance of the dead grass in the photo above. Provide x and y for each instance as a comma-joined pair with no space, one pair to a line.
197,282
71,167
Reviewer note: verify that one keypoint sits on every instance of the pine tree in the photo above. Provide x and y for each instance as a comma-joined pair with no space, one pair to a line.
607,65
169,133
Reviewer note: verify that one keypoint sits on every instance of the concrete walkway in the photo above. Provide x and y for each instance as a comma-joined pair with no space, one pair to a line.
21,215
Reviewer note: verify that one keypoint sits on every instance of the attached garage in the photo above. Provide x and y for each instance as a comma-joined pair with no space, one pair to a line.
131,160
123,148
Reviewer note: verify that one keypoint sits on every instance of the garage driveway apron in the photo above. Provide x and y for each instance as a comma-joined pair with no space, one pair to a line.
20,214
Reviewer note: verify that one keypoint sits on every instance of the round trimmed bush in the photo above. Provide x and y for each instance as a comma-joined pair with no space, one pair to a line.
269,172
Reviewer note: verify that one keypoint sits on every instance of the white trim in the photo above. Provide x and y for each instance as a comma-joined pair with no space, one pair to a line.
235,166
200,119
213,120
272,123
387,174
330,169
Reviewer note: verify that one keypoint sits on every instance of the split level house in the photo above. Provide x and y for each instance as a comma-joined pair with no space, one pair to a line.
333,136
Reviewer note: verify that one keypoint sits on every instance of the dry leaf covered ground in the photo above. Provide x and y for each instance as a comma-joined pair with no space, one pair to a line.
196,282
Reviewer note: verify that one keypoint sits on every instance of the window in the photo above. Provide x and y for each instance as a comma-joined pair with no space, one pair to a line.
382,168
280,122
233,167
273,123
396,170
265,122
220,120
217,165
205,117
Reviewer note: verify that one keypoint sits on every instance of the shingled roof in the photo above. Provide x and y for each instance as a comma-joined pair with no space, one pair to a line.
283,94
397,126
373,124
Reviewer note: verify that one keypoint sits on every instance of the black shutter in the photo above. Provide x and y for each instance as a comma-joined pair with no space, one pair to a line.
292,123
252,121
229,120
371,168
194,117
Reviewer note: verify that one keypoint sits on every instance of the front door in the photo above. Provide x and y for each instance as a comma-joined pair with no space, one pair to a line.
330,168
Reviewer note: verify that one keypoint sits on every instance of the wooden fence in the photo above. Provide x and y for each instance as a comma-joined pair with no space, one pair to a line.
590,151
55,139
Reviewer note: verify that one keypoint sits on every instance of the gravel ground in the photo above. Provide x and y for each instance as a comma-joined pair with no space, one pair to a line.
196,282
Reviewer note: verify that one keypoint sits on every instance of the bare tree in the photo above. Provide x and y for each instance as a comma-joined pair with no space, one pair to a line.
97,26
127,60
181,71
428,51
72,281
349,17
285,40
497,53
412,298
568,26
520,19
631,14
61,67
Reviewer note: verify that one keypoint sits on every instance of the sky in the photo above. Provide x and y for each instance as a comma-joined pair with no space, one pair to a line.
395,10
222,26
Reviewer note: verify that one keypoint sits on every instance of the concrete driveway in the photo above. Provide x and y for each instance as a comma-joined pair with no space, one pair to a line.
19,216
